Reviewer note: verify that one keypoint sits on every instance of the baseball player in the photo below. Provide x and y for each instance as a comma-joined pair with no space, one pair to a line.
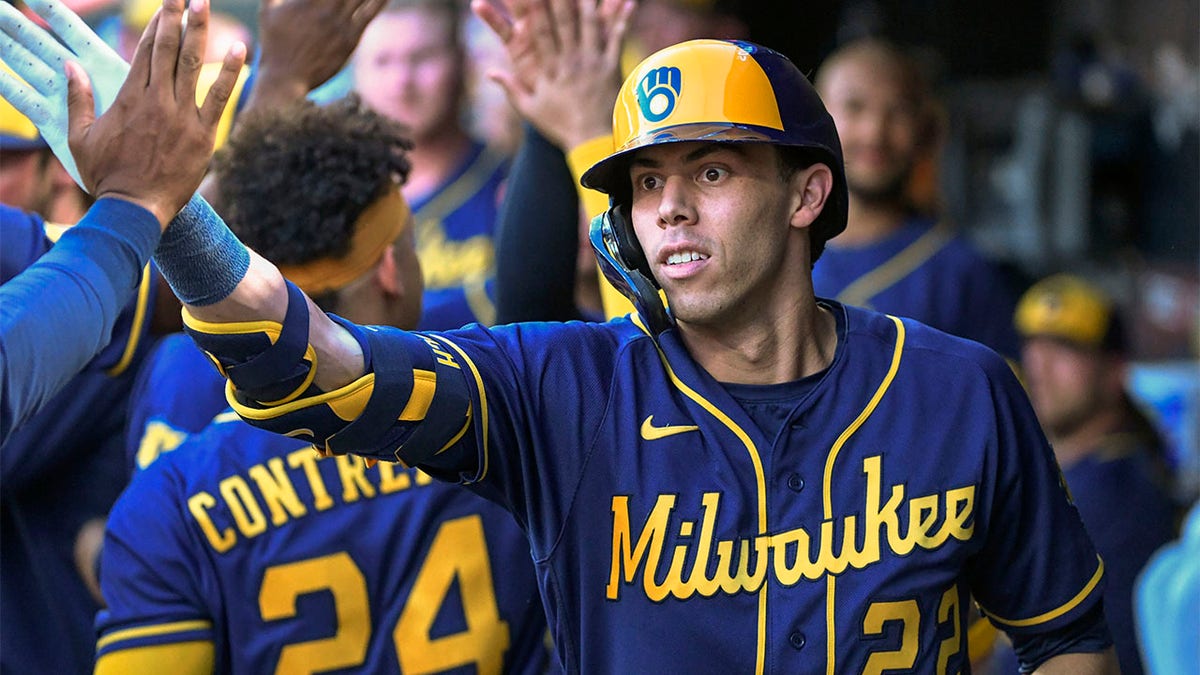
73,316
237,551
411,66
1074,358
753,480
894,256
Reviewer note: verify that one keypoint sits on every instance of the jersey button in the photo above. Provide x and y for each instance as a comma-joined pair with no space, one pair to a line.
797,640
795,482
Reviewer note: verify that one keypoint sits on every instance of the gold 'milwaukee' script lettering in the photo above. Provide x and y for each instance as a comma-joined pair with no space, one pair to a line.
791,555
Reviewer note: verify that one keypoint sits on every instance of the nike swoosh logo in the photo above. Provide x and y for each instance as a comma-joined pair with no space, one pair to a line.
653,433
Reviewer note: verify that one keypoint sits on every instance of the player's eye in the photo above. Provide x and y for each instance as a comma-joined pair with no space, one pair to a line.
648,182
713,174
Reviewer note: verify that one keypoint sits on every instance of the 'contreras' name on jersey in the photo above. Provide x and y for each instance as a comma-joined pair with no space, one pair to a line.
931,521
238,497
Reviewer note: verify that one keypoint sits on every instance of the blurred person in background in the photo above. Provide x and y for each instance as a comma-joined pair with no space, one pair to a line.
1074,356
31,177
411,66
893,257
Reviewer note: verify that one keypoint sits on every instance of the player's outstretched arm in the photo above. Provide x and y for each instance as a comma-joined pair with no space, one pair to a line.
142,160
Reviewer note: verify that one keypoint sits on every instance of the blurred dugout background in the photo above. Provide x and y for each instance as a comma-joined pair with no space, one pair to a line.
1072,143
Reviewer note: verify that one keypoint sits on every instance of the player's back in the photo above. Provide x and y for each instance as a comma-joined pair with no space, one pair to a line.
178,391
247,540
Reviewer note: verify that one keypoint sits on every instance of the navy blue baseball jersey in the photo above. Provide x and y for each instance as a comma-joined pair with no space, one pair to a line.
454,229
829,529
62,466
241,543
926,272
177,393
1120,490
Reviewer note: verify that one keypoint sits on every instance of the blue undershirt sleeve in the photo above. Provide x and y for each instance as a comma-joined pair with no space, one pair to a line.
59,312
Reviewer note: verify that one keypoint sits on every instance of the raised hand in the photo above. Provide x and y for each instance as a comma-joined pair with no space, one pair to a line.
153,145
565,58
304,43
40,59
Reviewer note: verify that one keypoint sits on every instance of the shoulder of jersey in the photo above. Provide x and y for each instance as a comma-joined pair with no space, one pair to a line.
920,337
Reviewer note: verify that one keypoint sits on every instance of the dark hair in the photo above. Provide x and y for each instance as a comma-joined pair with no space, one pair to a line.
830,221
294,181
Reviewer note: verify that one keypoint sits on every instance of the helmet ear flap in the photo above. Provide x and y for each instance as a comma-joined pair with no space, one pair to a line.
624,264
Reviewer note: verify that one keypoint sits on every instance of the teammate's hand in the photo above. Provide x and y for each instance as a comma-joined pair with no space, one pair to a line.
153,145
565,56
304,43
40,59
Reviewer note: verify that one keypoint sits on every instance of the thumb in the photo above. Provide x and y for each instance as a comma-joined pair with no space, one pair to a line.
513,89
81,111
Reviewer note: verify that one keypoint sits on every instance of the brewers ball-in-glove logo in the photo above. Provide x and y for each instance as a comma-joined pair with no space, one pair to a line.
657,91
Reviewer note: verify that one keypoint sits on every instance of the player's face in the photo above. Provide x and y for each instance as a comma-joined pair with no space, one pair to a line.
409,67
25,180
1067,384
714,222
878,125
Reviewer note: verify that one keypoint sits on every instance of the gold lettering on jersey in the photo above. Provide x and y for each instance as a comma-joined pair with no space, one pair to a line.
448,263
792,555
439,352
241,498
277,491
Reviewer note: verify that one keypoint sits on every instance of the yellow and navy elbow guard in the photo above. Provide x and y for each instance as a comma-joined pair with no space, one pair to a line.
407,407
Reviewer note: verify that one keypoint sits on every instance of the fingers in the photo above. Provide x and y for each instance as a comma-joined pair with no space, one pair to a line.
222,88
564,23
24,98
363,12
618,26
29,67
191,54
590,36
167,40
72,30
139,67
491,15
81,110
34,41
536,21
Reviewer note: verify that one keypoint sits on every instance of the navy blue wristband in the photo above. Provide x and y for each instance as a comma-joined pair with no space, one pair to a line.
199,257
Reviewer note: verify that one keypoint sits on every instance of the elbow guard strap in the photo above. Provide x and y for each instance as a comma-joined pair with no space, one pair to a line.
264,361
411,404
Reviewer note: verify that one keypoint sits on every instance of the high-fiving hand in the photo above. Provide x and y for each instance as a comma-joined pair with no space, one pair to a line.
40,59
153,144
565,58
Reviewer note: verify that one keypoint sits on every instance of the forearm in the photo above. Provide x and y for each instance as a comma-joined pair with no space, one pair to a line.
57,314
220,281
539,206
1099,663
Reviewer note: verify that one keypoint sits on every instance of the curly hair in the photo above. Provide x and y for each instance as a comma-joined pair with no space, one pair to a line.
294,181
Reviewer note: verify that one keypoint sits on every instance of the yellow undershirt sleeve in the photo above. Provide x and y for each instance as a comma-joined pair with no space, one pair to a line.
580,159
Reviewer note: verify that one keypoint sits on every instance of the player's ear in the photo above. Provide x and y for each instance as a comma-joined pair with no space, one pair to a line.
386,273
811,188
